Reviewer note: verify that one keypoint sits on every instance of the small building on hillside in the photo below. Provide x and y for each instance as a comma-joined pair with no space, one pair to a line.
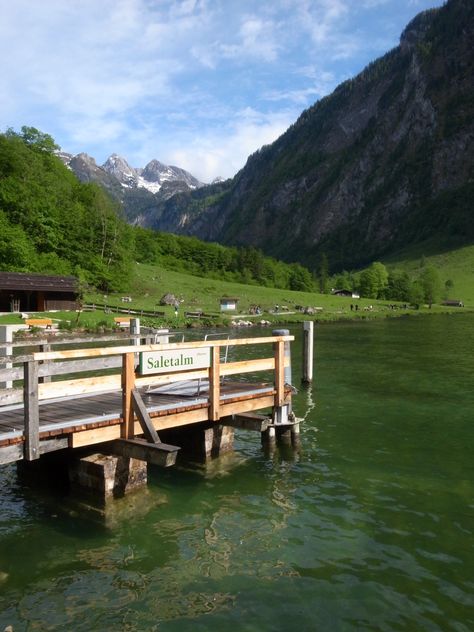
349,293
228,304
28,292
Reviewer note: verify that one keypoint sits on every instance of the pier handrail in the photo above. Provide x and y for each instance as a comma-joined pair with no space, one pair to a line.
108,351
34,390
64,364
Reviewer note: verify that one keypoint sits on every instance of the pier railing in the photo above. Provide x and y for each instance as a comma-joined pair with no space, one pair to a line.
105,361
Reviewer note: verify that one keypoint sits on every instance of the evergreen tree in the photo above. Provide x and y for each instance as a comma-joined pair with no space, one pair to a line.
323,273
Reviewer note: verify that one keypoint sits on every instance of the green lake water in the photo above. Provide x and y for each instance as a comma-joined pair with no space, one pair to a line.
369,526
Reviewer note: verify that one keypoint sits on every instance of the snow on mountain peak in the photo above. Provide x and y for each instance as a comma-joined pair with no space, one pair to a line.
151,177
119,167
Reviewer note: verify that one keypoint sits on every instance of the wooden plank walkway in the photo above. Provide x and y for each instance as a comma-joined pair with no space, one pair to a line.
91,419
67,415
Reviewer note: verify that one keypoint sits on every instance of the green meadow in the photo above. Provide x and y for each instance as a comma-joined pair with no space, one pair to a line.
149,283
455,265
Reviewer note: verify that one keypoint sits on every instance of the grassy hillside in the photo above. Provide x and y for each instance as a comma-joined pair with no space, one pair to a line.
149,283
197,293
455,265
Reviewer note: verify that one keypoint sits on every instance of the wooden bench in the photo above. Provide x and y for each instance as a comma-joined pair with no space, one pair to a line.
197,314
39,322
122,321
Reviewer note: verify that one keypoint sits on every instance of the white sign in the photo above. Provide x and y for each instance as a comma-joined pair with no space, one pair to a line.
174,360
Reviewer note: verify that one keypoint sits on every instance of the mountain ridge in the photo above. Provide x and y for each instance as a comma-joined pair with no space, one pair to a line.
136,188
385,161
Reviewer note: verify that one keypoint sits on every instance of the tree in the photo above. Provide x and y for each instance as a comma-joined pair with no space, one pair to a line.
16,250
431,285
38,140
373,281
416,294
344,281
323,273
300,279
399,284
448,288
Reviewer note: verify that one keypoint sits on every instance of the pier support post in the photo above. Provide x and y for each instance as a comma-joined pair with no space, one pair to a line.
31,410
269,436
202,441
282,377
308,338
287,354
128,384
107,476
295,435
217,440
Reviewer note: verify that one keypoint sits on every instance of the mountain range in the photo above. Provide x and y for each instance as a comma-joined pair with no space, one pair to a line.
137,189
383,164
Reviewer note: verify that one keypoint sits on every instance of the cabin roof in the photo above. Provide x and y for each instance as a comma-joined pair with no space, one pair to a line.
37,282
227,299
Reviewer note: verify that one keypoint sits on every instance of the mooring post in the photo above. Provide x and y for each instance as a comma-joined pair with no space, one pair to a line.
308,338
135,331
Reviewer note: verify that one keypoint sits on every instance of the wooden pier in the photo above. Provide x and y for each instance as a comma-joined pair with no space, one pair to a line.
122,397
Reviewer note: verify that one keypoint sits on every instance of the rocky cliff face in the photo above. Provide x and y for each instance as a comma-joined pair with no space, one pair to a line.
384,162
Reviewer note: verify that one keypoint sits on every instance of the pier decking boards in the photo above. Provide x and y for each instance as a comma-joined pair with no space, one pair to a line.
68,415
78,413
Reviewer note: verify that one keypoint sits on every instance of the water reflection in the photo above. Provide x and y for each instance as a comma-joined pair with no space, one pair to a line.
368,526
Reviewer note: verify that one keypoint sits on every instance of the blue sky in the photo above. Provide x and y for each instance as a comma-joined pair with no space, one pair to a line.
200,84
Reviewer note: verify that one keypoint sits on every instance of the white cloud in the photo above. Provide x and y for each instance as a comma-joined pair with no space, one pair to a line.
370,4
321,82
224,151
258,38
323,19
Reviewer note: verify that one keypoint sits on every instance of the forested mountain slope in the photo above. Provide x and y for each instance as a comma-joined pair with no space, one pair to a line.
384,162
52,223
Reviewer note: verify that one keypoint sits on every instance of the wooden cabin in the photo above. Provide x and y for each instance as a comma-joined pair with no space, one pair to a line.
453,303
348,293
28,292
